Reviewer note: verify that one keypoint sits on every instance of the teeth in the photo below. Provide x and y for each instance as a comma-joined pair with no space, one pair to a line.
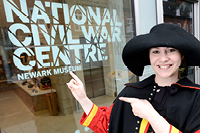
164,67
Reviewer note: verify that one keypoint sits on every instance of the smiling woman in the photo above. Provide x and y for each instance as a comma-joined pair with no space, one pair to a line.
161,103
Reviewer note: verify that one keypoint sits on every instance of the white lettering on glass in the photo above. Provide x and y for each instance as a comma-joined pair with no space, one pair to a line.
61,41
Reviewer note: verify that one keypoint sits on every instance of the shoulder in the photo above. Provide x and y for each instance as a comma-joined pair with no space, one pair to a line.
142,84
137,88
186,83
188,91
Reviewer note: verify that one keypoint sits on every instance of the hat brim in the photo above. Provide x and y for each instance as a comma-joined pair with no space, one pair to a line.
135,53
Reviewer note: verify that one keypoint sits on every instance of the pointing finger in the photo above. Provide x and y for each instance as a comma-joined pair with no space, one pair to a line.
74,76
129,100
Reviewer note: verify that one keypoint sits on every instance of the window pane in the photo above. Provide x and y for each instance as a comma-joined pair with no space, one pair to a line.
41,41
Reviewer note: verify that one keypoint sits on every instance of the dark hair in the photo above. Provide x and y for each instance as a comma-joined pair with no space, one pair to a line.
183,69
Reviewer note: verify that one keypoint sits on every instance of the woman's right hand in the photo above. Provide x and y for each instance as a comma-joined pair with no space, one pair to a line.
76,87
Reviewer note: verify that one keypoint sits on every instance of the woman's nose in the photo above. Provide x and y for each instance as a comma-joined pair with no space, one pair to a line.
164,57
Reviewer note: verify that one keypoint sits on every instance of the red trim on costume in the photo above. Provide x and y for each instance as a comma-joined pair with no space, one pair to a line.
198,131
147,127
134,86
88,118
98,118
188,86
170,128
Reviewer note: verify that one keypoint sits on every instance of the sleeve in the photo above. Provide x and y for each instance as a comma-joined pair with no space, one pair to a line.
98,119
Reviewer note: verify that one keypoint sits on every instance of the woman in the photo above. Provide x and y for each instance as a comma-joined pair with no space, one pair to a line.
162,102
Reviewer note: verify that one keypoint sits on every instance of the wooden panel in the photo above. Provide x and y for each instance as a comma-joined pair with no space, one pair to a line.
37,104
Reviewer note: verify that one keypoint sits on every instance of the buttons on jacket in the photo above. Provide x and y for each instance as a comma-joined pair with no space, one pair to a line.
152,93
154,88
137,127
149,99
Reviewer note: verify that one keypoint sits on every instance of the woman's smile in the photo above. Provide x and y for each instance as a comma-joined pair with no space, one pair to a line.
164,67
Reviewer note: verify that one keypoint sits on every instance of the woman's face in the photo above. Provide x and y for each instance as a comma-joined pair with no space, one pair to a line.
165,61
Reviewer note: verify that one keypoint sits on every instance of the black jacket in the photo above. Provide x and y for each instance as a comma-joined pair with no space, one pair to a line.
181,109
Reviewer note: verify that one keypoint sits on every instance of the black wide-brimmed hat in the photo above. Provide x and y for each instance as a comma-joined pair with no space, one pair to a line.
136,52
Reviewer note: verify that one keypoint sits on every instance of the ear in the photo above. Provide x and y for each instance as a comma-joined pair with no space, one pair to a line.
182,57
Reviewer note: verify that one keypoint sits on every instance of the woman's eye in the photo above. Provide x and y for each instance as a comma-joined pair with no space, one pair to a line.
171,50
155,52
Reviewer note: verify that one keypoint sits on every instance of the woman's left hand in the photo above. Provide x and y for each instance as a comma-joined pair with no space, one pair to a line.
140,107
143,109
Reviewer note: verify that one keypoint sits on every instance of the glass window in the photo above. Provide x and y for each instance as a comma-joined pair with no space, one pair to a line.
147,16
147,21
41,41
181,13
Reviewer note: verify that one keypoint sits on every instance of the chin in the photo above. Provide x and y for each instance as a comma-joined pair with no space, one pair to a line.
167,75
164,76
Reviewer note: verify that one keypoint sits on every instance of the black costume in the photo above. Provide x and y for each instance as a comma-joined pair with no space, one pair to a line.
181,109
